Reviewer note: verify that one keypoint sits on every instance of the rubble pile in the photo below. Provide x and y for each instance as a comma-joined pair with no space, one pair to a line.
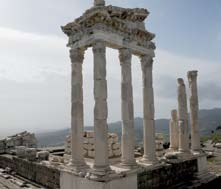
10,143
89,150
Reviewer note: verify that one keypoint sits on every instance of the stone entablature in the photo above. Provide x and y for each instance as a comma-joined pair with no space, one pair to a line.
126,24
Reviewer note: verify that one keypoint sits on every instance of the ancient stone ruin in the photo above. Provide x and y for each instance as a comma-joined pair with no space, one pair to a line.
21,139
90,164
89,147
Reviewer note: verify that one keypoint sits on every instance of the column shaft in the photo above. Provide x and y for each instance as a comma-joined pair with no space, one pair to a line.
101,162
174,131
194,111
127,109
183,117
77,113
148,111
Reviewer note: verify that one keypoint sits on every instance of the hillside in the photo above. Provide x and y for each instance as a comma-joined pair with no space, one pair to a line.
209,120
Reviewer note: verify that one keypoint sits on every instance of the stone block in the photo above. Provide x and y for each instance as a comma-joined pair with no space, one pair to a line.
117,152
116,146
90,134
43,155
20,151
30,154
91,153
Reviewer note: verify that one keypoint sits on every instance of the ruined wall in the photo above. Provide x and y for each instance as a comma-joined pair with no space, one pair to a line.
38,173
21,139
167,175
89,148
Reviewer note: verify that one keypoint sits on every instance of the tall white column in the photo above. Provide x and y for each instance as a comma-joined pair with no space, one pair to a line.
194,111
149,156
174,131
101,162
183,117
127,109
77,113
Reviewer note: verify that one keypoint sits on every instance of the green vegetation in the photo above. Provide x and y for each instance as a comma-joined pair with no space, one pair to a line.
215,137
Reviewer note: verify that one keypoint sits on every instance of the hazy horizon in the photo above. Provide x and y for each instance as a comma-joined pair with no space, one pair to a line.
35,69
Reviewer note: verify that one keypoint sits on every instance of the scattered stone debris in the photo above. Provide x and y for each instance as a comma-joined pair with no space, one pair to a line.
9,144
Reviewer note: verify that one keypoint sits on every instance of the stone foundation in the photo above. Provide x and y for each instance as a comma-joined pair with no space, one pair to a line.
48,177
167,175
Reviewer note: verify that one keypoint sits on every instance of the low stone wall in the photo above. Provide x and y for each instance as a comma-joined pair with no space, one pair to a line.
38,173
167,175
89,148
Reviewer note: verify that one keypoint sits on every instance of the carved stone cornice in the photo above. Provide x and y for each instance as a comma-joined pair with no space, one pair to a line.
77,55
127,23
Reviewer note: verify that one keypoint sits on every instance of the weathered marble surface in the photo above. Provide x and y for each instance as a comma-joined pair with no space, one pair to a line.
174,131
194,111
183,117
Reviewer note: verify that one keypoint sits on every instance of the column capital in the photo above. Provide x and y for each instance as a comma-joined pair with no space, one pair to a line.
125,56
192,75
77,55
99,2
99,47
174,114
146,61
180,81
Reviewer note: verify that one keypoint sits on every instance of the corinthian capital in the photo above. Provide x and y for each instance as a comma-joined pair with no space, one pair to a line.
99,47
192,75
77,55
125,56
146,62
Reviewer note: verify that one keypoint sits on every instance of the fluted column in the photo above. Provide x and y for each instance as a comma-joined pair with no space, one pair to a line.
101,162
183,117
77,113
174,131
127,109
149,156
194,111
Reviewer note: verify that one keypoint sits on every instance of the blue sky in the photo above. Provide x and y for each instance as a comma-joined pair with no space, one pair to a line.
35,65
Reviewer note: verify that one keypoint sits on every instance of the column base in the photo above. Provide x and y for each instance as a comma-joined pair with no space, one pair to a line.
148,161
100,173
79,168
129,164
197,152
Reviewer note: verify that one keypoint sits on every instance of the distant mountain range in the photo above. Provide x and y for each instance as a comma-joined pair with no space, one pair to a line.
209,120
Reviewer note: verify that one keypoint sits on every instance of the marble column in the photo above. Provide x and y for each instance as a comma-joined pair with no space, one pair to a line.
149,156
174,131
127,109
183,117
99,2
194,111
77,113
101,162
